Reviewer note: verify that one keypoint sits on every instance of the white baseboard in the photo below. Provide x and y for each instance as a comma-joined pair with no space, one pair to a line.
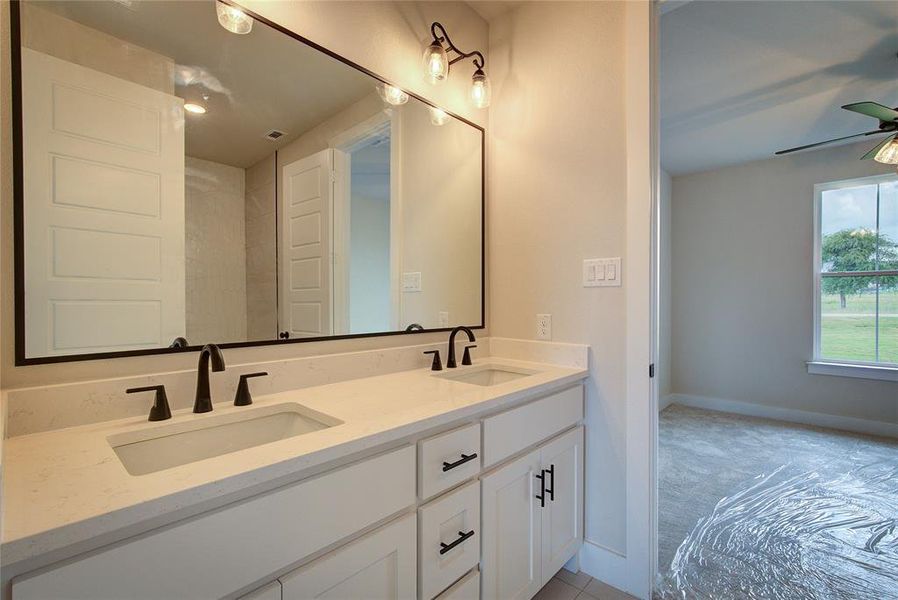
665,401
605,565
786,414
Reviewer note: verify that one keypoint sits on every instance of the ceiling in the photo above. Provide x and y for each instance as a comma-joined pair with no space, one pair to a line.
256,82
741,80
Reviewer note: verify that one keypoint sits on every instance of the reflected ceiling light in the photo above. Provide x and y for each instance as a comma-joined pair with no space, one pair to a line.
392,94
437,64
888,154
438,116
233,19
197,109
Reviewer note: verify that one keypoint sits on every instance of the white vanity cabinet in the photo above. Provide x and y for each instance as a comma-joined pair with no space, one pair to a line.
377,566
532,519
435,525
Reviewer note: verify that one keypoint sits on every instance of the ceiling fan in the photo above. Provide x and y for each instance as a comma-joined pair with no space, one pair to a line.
887,150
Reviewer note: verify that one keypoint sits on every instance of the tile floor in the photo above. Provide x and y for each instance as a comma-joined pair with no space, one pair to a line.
578,586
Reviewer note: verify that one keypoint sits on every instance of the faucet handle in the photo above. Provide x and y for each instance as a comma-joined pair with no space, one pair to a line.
160,410
437,364
466,359
243,397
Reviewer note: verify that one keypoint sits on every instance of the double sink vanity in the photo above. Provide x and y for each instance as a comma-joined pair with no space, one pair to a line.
464,483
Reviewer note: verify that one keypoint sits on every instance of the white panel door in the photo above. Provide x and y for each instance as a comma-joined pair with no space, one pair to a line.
304,250
104,211
510,544
562,517
378,566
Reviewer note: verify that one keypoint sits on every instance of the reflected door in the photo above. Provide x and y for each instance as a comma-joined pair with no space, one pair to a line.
104,211
304,256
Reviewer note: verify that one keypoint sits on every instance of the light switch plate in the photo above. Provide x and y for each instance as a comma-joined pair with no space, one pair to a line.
544,327
444,319
601,272
411,282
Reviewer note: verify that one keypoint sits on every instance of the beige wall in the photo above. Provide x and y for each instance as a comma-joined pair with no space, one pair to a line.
215,252
57,36
742,286
440,235
261,251
558,193
385,37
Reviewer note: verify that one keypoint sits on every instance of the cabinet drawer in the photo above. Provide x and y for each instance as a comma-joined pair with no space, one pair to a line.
446,460
377,566
466,588
217,553
512,431
449,539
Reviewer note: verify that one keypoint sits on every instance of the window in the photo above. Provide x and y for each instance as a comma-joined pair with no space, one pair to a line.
856,275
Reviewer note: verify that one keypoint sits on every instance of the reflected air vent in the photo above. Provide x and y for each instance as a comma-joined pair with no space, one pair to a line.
274,134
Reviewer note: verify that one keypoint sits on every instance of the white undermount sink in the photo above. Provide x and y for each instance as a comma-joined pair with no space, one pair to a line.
163,447
488,375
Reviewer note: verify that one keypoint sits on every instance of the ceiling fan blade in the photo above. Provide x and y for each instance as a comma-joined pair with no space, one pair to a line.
875,110
847,137
878,146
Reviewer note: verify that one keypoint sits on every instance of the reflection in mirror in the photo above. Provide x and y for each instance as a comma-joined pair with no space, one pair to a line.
184,181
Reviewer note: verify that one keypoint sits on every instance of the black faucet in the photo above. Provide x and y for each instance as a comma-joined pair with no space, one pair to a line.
450,363
203,401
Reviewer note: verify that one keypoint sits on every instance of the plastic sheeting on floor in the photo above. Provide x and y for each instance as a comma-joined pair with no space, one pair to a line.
795,535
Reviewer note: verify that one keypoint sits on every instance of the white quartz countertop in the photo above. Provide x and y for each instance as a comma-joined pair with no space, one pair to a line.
67,488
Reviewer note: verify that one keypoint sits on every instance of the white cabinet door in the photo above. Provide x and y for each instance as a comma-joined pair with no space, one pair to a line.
562,518
511,544
378,566
304,250
104,211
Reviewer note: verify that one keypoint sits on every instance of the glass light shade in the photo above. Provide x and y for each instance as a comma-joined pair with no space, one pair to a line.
888,154
436,63
438,116
480,89
233,19
392,95
193,107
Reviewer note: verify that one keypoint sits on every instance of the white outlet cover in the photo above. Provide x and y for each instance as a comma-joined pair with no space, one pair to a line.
544,327
411,282
444,318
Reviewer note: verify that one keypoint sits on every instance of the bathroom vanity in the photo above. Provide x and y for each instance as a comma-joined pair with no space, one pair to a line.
415,484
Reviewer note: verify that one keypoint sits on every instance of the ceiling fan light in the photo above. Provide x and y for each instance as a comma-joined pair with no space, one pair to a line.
888,154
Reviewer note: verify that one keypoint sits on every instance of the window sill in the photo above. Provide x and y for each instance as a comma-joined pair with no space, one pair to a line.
850,370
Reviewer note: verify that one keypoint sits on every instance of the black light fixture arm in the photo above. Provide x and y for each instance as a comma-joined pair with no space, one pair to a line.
440,37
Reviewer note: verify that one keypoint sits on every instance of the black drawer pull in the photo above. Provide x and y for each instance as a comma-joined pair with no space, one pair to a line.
542,486
447,466
462,536
551,490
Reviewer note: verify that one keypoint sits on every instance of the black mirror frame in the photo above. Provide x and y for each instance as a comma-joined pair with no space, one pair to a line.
19,212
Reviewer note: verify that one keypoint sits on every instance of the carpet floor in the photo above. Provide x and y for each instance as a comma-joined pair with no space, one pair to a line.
753,508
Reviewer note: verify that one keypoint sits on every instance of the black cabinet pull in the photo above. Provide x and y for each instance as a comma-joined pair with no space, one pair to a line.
462,536
448,466
551,490
542,493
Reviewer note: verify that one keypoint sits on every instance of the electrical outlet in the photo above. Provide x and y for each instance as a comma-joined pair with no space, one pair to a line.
544,327
444,319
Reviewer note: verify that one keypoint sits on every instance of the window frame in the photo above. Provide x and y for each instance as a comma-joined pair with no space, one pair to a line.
818,364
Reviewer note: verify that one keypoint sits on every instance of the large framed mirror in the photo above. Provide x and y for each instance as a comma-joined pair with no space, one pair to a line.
188,174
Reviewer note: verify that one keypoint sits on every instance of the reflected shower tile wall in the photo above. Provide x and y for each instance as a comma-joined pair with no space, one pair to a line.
261,251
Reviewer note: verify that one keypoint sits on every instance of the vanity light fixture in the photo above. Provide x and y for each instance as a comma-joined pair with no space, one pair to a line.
392,94
233,19
888,154
438,116
437,63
